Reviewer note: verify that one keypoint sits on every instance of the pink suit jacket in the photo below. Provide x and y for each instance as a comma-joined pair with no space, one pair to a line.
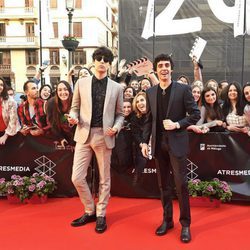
81,109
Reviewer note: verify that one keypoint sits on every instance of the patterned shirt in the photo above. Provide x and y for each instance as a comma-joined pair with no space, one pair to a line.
39,118
236,120
99,88
9,116
247,113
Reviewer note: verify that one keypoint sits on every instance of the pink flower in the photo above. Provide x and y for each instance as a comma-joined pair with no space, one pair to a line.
2,180
32,180
10,191
196,181
15,177
41,184
210,188
32,188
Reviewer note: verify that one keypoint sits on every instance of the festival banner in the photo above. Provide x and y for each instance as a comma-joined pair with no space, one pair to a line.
222,155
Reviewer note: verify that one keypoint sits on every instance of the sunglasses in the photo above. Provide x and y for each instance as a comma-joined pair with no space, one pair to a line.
99,58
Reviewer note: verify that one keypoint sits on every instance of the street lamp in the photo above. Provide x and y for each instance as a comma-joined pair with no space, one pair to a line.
70,4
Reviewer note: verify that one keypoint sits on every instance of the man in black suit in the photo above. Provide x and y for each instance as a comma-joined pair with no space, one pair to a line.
171,109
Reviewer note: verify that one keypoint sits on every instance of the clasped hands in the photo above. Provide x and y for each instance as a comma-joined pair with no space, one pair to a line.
110,131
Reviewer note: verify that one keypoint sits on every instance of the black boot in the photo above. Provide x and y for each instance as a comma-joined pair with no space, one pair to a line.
163,228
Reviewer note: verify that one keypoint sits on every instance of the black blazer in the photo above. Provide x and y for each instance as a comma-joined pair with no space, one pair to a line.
181,103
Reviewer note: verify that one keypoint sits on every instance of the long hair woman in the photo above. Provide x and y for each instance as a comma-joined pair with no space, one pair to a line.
122,153
9,124
211,112
137,121
233,108
57,109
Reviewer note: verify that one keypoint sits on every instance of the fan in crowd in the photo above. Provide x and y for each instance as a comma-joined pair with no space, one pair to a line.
233,109
56,108
135,85
183,79
129,93
122,153
196,91
9,124
145,84
212,83
45,92
83,72
222,86
137,122
211,113
31,112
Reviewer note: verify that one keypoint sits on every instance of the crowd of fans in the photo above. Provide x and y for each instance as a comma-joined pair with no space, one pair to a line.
224,106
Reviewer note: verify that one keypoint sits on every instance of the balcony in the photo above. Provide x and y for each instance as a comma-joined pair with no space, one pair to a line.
17,12
16,42
5,69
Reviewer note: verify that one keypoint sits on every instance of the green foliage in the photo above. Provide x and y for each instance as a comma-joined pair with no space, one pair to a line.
69,37
24,187
215,189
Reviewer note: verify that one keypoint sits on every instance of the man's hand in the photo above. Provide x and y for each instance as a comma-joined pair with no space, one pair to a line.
3,139
36,132
25,130
169,124
111,131
144,150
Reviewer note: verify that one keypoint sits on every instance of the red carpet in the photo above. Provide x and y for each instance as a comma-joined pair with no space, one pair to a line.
131,226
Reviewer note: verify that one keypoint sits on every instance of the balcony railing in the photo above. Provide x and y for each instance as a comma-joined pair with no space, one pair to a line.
16,12
19,41
5,68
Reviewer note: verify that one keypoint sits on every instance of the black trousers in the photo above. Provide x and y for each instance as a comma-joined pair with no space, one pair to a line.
171,168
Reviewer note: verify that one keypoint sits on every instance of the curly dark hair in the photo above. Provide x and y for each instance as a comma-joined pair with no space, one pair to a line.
4,93
163,57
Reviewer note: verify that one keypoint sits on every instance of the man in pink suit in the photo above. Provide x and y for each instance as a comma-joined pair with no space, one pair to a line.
97,109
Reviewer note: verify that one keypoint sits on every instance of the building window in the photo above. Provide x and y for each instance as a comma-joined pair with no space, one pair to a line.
78,4
53,4
54,56
55,28
107,13
79,57
2,32
28,3
30,32
107,38
77,29
5,57
31,57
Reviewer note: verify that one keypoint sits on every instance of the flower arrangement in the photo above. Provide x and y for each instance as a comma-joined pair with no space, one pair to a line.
24,187
69,37
214,189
